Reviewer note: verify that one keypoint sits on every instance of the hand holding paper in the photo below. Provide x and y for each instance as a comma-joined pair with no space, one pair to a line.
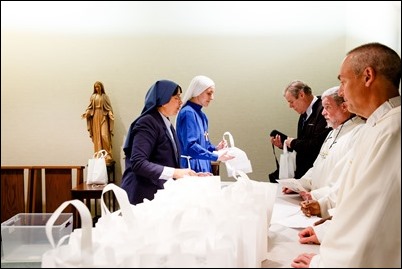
292,184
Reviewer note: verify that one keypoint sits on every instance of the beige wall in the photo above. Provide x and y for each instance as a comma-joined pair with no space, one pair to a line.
47,79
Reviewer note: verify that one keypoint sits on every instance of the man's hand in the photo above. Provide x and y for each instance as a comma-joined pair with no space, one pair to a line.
306,195
308,236
276,141
287,191
310,208
303,260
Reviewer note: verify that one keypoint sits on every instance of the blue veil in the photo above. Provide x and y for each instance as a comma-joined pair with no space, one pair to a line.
159,94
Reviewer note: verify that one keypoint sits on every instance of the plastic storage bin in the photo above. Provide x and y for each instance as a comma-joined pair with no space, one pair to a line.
24,235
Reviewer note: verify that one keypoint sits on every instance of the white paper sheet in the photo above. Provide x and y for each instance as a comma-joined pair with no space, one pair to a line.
298,220
289,214
292,184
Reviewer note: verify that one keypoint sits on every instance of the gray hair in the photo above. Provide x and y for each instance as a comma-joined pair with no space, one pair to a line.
333,92
381,58
296,86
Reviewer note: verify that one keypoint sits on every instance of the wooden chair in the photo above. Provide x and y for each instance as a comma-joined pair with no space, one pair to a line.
215,168
58,184
13,188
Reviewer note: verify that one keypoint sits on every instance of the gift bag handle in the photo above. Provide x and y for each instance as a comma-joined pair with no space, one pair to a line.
231,141
124,203
285,147
86,224
100,154
238,174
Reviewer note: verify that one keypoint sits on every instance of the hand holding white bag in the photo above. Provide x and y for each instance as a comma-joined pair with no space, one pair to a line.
240,162
287,163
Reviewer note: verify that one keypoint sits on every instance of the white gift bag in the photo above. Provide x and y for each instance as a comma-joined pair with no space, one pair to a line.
255,202
240,162
97,171
287,163
81,250
193,240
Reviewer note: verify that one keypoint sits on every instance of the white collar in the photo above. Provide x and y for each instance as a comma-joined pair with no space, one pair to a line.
383,109
309,110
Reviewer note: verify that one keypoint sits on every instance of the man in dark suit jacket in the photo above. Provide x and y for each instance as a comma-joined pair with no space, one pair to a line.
151,147
311,128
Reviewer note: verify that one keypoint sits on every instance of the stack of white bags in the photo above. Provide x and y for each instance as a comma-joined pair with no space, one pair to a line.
193,222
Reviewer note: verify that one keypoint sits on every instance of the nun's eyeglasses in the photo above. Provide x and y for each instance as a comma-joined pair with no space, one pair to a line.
177,97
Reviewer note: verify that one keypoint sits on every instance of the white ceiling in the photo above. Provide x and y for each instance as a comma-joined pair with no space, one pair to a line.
374,20
188,17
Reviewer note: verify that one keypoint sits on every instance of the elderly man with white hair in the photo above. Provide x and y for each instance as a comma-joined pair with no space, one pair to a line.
192,127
